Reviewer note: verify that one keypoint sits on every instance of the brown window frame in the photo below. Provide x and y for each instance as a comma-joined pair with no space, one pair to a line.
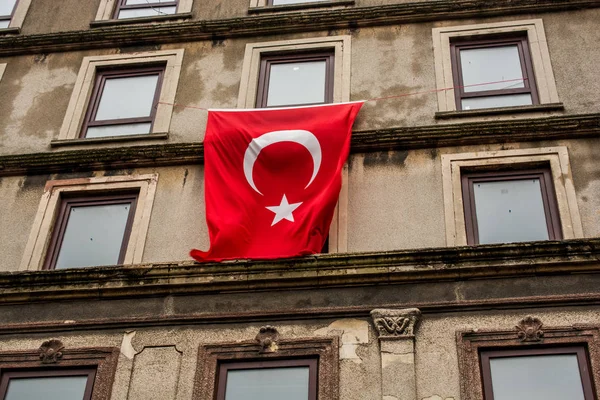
311,363
529,333
582,362
522,44
43,373
70,201
100,80
547,190
324,350
122,6
282,58
9,16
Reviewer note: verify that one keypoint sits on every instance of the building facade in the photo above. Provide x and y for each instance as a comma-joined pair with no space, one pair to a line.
462,260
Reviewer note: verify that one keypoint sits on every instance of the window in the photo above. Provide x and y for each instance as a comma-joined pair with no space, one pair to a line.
268,380
506,62
294,369
509,196
493,65
123,102
295,79
510,206
554,373
128,11
7,8
56,372
529,361
91,231
12,14
55,384
91,221
122,97
144,8
257,6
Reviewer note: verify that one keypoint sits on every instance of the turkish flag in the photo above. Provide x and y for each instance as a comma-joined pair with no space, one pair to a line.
272,179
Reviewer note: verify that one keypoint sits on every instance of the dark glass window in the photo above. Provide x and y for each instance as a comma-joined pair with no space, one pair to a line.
295,79
268,380
537,374
144,8
123,102
7,8
91,231
47,384
492,73
510,206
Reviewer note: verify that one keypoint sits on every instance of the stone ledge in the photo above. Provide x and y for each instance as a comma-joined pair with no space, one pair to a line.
483,112
108,139
300,6
514,260
141,20
401,138
277,24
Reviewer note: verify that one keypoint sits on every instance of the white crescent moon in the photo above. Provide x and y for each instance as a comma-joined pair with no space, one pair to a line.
304,138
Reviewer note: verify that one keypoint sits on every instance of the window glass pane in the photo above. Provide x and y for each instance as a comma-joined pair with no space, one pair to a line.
547,377
117,130
491,64
497,101
267,384
297,83
47,388
93,236
147,12
4,23
127,97
510,211
6,7
280,2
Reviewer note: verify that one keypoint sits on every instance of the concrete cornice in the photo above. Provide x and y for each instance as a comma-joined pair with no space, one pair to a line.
401,138
260,25
319,271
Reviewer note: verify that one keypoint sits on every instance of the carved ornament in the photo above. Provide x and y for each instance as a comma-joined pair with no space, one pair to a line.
530,329
267,338
51,351
392,323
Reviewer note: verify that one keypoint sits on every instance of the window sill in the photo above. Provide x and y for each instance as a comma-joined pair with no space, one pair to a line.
140,20
9,31
108,139
300,6
500,111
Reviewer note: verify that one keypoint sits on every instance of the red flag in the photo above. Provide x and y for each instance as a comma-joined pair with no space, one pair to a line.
272,179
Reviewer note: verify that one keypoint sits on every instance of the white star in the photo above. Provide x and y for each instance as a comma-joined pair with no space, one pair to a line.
283,211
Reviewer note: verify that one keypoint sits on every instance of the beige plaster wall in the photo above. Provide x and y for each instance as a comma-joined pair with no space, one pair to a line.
171,352
177,222
386,61
396,198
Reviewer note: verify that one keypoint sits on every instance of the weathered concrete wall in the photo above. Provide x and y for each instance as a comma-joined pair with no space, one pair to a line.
395,202
386,61
173,353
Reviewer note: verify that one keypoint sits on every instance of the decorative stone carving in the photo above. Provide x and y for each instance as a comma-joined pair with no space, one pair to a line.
530,329
267,339
51,351
393,323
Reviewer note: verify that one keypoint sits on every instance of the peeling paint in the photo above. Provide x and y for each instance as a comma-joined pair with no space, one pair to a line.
353,332
126,347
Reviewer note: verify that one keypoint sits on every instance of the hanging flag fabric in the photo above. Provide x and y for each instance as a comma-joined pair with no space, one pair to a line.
272,179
